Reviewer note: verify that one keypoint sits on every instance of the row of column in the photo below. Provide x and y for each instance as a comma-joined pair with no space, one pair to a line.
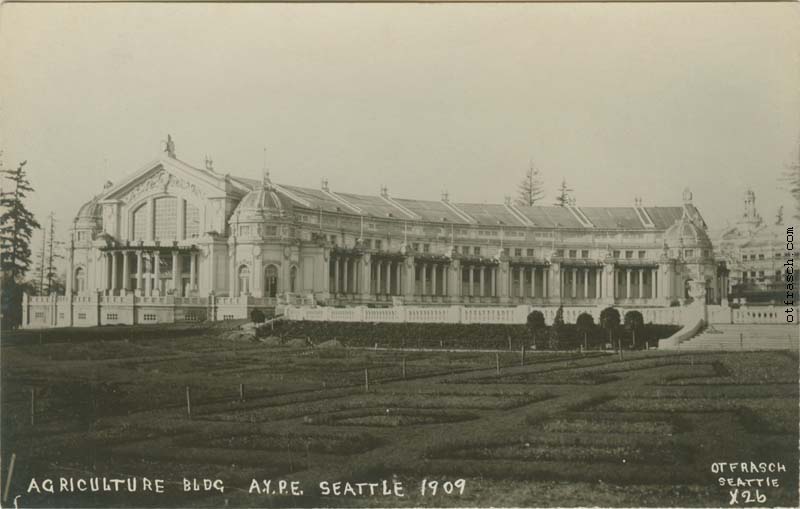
385,276
479,281
523,282
624,285
117,279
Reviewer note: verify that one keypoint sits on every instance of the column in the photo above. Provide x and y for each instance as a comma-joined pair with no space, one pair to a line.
346,281
433,280
481,283
388,277
336,275
545,284
423,275
193,272
616,283
493,283
175,280
139,273
533,282
574,290
653,279
148,282
71,278
378,277
521,278
126,272
585,283
597,284
471,281
398,278
157,273
641,283
627,283
113,273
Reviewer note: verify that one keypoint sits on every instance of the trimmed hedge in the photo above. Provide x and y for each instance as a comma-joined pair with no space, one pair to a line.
437,335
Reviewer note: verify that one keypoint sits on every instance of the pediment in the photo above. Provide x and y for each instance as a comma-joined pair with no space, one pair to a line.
172,177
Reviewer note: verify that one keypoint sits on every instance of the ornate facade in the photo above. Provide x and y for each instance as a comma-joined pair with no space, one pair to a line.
175,242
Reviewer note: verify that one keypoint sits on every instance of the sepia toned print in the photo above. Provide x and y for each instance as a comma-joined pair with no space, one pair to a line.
372,255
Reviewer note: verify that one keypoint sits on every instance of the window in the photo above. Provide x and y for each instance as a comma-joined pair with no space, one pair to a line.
191,226
752,273
227,317
149,317
752,257
518,251
616,254
628,254
166,218
477,251
415,245
61,315
378,244
465,250
559,252
777,255
368,243
688,253
244,230
585,253
293,279
140,223
529,252
270,281
761,256
39,314
642,254
112,316
573,253
332,239
744,258
81,236
426,248
507,251
81,316
190,317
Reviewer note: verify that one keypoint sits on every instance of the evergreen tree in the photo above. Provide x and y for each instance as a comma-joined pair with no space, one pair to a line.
16,227
530,189
792,177
564,197
53,254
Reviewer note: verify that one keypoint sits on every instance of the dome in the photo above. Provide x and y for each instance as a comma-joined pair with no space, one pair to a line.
90,215
262,203
684,232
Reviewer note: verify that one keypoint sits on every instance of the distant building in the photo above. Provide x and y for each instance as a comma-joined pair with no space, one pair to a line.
173,242
754,251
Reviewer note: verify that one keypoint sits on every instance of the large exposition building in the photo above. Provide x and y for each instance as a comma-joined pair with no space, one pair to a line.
173,242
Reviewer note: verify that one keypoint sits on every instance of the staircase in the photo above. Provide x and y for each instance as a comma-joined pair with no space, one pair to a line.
745,337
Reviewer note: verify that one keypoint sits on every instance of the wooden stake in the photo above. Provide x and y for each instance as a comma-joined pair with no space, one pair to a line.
404,368
188,402
366,380
241,392
509,342
33,406
10,474
497,362
522,355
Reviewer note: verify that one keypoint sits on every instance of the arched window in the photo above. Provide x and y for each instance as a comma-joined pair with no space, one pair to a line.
140,223
165,214
80,280
270,281
244,280
293,279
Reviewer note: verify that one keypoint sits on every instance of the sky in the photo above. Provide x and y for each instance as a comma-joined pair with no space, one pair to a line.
621,100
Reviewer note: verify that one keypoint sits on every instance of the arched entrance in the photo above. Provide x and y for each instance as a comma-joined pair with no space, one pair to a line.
244,280
80,281
270,281
293,279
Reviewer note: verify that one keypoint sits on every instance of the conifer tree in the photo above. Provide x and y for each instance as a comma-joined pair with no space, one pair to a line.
564,197
16,227
530,189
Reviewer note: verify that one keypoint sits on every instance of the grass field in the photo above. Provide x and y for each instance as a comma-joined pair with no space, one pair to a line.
564,429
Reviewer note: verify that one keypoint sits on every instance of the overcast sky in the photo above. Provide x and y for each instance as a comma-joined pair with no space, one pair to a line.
622,100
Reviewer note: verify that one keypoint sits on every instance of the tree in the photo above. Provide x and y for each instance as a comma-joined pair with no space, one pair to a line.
609,321
16,227
564,197
530,189
792,177
585,324
633,321
557,330
535,323
53,254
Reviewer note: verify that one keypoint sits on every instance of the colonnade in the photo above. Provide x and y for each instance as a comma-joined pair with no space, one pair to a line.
118,276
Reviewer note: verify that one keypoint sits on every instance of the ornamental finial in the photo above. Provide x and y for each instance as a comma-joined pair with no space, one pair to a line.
169,147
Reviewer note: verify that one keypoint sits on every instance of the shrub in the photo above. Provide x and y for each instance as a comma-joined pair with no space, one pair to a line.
257,316
634,321
585,325
609,321
536,323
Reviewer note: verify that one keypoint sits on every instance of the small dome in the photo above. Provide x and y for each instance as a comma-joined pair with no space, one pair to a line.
90,215
262,203
684,232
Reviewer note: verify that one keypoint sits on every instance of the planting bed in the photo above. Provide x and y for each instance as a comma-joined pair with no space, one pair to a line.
564,429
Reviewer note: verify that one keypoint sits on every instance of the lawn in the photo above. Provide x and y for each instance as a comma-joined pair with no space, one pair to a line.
554,429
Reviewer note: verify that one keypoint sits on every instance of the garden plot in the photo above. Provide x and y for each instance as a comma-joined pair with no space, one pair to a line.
389,417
